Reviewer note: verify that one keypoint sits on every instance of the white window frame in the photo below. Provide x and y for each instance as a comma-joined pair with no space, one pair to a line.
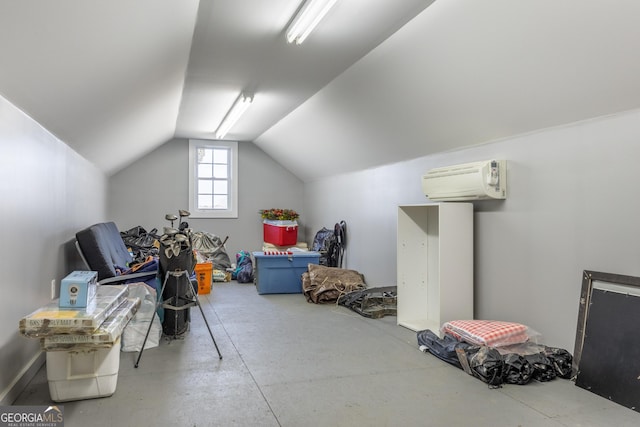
232,210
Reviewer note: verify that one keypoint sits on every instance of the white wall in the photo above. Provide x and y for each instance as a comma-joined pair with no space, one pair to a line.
48,193
571,206
157,184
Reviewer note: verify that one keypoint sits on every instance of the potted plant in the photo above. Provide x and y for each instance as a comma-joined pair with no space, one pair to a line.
276,214
280,226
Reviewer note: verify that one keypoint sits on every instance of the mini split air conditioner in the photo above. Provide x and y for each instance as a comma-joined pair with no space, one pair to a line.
469,181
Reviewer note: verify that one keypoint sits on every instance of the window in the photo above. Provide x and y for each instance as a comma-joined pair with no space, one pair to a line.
213,179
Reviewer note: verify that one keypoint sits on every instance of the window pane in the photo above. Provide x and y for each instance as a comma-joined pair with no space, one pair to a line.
220,202
220,155
205,171
205,155
220,187
205,201
205,186
220,171
213,180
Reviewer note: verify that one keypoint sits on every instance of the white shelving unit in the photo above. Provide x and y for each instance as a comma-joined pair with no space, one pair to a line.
435,264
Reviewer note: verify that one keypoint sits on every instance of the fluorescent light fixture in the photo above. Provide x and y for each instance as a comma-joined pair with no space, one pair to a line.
237,109
307,19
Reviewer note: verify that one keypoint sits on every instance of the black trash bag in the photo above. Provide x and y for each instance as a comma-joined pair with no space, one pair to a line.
561,360
133,233
443,348
517,369
484,363
139,237
543,369
141,242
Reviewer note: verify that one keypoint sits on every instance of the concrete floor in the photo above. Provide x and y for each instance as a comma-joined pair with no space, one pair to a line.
290,363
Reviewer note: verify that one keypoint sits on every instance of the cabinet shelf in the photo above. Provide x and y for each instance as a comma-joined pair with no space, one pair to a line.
435,264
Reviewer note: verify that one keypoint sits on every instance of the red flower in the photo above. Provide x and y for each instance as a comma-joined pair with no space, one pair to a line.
276,214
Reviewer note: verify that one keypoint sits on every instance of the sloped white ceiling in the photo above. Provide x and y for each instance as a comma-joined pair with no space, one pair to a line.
240,46
115,79
109,77
466,72
105,76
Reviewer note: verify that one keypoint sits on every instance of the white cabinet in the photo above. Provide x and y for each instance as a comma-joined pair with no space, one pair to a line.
435,264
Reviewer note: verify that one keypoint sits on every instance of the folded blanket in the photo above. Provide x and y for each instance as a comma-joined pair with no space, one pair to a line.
492,333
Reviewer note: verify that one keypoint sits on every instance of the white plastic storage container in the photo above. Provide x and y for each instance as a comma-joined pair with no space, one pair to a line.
84,373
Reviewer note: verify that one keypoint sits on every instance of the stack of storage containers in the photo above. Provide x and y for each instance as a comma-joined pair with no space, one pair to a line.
278,268
82,344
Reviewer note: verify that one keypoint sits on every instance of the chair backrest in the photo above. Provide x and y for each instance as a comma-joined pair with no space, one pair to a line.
103,250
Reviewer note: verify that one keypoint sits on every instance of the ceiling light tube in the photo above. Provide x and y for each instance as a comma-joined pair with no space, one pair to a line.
237,109
306,20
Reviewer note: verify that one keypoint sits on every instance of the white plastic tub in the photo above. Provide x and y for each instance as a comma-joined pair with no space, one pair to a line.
83,373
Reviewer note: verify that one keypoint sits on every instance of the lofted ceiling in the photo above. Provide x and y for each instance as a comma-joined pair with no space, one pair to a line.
379,81
114,79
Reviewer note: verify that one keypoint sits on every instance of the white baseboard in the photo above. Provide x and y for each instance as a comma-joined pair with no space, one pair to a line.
11,393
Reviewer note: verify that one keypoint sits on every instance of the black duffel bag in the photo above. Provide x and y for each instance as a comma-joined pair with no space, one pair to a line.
443,348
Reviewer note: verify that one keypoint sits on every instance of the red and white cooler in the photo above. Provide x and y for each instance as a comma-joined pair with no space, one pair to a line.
280,233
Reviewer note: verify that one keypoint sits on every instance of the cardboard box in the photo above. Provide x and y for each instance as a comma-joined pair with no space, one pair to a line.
53,320
78,289
281,273
280,233
103,337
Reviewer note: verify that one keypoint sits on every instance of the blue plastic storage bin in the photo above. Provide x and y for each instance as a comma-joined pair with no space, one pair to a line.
281,273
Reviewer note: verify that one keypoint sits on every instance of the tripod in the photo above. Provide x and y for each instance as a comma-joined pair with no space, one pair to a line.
177,274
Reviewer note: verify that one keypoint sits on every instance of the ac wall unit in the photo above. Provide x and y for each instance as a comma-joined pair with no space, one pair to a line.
470,181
